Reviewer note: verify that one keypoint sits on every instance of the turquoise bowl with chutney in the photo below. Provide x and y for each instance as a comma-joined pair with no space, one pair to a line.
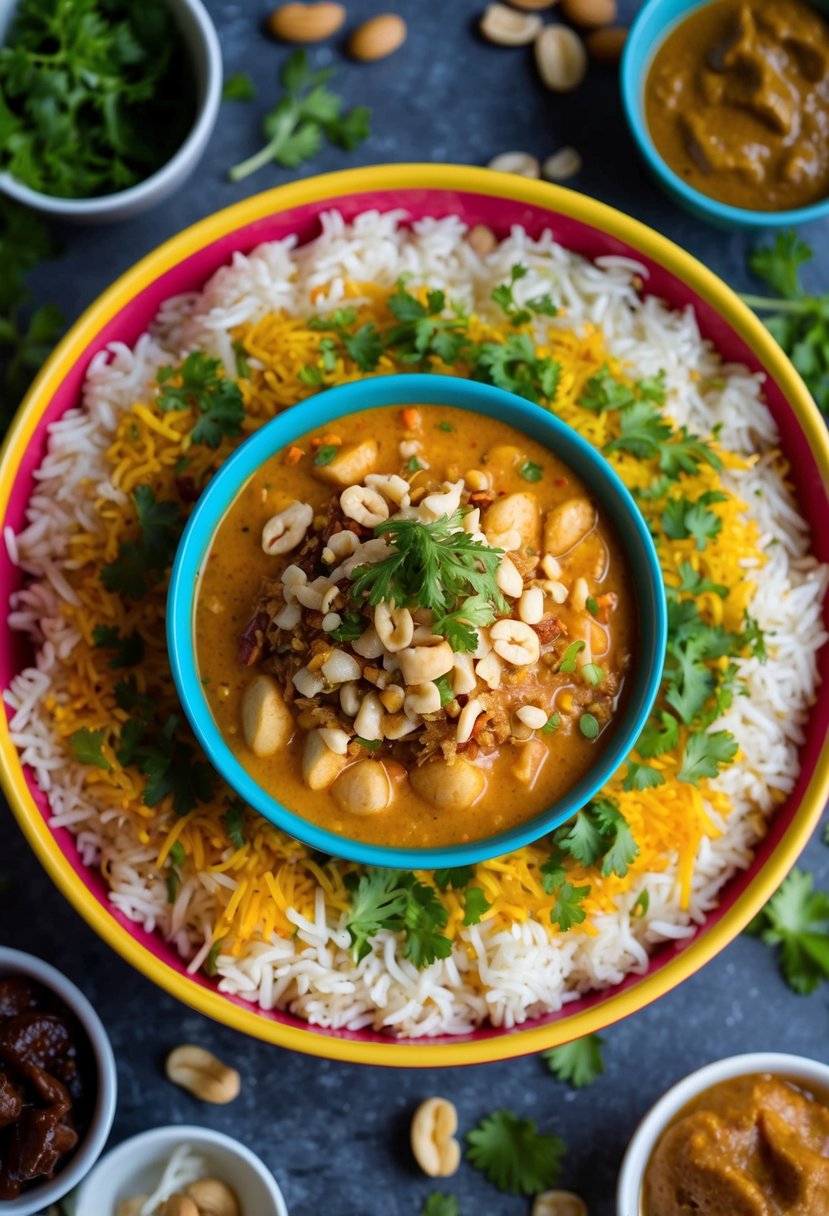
335,405
655,21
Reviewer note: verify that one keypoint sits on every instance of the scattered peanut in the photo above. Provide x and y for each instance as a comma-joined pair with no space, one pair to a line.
606,45
562,165
520,163
559,1203
364,505
320,766
515,642
434,1146
131,1207
589,13
378,37
306,22
481,239
532,716
561,58
286,530
267,723
506,27
214,1197
199,1071
429,662
178,1205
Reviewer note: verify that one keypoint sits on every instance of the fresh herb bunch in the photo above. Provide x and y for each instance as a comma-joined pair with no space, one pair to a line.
437,566
26,335
308,112
796,920
798,320
95,95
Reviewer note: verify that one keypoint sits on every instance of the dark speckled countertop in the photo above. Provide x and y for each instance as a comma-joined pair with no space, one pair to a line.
335,1135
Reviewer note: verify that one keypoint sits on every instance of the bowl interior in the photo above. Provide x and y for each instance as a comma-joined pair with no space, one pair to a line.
476,196
655,20
333,405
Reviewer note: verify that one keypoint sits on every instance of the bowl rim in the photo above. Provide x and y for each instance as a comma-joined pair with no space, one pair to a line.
637,56
165,176
20,962
167,1137
317,191
333,405
654,1123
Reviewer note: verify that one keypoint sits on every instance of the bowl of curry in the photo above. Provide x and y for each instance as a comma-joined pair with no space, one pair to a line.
747,1134
728,102
416,622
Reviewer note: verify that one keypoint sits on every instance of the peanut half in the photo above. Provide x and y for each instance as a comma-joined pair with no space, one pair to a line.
589,13
213,1198
435,1148
179,1205
520,163
306,22
199,1071
561,165
505,27
378,37
561,58
606,45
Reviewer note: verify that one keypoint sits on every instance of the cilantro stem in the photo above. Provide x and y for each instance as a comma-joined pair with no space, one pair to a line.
284,127
778,304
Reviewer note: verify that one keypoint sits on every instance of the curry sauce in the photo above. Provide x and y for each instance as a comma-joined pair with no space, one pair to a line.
286,619
737,103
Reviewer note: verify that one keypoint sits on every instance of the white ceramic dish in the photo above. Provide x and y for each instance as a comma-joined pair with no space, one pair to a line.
40,1196
202,41
811,1074
134,1168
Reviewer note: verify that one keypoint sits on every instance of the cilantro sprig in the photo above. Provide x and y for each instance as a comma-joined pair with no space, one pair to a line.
308,112
199,384
142,562
796,922
513,1155
599,833
396,900
578,1063
504,296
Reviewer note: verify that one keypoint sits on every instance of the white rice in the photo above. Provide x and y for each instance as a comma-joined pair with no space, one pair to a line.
505,976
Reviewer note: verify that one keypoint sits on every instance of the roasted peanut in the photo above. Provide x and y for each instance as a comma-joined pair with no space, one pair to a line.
378,37
568,524
199,1071
532,716
267,723
561,58
286,530
508,578
394,626
559,1203
515,512
364,505
363,788
306,22
179,1205
420,664
467,718
434,1146
444,502
515,642
505,27
448,787
606,45
589,13
520,163
214,1198
320,766
131,1207
482,239
564,164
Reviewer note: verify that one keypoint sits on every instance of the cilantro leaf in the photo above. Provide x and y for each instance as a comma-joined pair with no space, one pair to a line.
685,454
598,832
456,878
567,909
642,777
513,1155
238,87
423,918
394,900
350,628
705,753
568,662
87,748
604,392
475,904
141,563
584,840
447,692
514,365
200,386
578,1063
796,919
440,1205
127,650
26,337
779,264
233,822
657,739
643,431
530,471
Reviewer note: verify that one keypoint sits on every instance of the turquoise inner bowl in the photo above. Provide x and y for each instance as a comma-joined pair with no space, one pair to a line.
654,22
645,580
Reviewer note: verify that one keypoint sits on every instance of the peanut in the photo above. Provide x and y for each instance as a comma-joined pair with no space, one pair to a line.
481,239
561,58
564,164
559,1203
448,787
505,27
131,1207
199,1071
213,1198
520,163
306,22
606,45
434,1146
533,6
378,37
589,13
178,1205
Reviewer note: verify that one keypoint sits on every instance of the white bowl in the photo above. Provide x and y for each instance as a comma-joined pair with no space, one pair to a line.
134,1168
42,1194
810,1073
202,43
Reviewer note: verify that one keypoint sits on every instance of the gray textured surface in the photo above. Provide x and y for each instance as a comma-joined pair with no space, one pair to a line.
334,1135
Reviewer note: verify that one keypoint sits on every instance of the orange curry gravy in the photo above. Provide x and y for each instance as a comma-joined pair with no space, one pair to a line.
737,103
521,770
751,1146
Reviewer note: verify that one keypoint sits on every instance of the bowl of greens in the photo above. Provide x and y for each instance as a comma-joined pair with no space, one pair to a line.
105,105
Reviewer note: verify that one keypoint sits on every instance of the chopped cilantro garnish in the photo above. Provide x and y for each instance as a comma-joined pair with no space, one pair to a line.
456,878
475,903
370,745
141,563
447,692
658,737
552,723
592,605
310,376
568,663
514,365
513,1155
530,471
643,431
445,426
796,919
413,465
683,519
422,332
350,628
233,821
503,296
127,651
643,902
199,386
325,454
704,754
578,1063
87,748
177,855
598,832
173,884
211,962
440,1205
642,777
396,900
170,765
238,87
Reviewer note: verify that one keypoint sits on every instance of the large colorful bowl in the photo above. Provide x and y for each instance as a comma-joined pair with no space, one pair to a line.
477,196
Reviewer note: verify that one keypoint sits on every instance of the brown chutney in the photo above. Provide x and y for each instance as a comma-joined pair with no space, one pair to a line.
366,741
737,103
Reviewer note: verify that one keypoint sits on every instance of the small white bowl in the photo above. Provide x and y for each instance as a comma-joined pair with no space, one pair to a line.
202,43
42,1194
811,1074
134,1168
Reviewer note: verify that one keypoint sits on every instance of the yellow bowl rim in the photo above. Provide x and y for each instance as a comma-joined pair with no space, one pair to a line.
312,190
